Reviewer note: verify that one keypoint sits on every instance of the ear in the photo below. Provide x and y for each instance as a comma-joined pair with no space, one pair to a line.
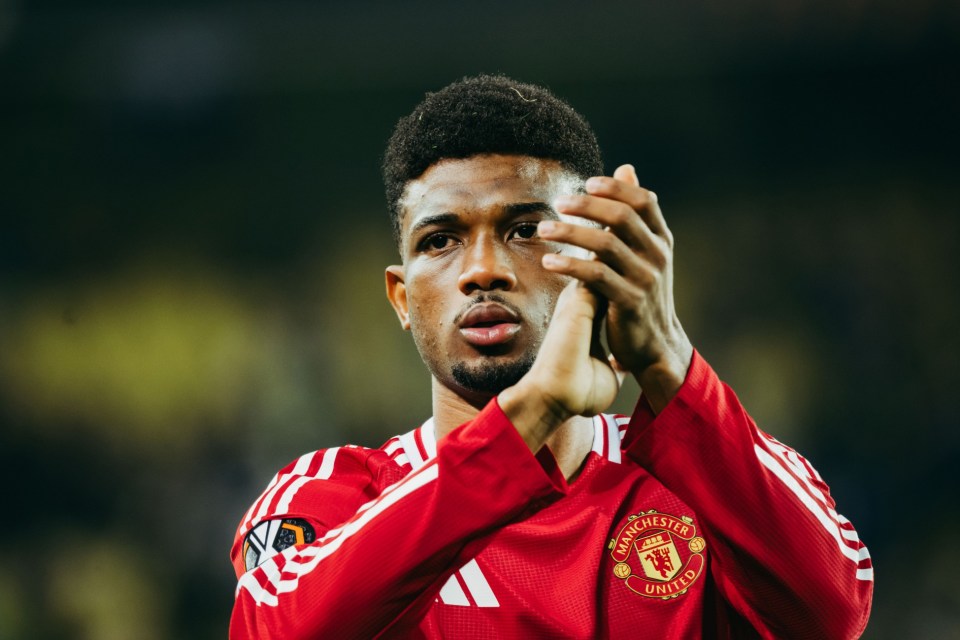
397,294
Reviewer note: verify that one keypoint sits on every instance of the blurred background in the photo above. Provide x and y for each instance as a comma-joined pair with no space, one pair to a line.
193,236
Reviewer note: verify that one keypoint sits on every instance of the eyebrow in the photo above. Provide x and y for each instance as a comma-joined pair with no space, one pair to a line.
440,218
512,209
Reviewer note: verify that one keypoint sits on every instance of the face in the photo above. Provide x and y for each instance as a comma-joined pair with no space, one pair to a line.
471,288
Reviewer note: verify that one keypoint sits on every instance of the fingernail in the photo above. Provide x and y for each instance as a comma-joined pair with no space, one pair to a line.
561,202
594,183
552,260
546,226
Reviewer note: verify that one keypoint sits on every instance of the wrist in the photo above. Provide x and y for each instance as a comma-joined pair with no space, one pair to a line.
661,380
533,413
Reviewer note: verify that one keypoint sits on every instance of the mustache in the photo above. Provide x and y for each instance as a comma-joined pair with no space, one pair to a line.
487,297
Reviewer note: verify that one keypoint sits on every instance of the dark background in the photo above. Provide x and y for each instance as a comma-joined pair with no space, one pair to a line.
193,236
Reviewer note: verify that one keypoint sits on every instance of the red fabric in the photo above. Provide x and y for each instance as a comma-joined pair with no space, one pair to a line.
726,542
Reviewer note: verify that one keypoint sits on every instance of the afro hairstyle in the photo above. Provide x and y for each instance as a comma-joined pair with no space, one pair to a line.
486,114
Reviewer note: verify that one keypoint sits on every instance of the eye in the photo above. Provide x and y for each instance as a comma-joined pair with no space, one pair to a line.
525,231
435,242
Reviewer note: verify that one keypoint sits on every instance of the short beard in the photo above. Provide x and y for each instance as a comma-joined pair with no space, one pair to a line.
491,378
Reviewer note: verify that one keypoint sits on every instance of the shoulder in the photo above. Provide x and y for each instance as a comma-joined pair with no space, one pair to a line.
312,494
338,470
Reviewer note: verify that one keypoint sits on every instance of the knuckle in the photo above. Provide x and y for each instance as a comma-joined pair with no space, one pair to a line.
634,294
644,199
607,244
658,258
639,203
559,231
622,215
645,278
597,271
590,270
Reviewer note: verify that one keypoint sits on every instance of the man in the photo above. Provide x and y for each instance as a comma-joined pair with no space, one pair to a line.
520,509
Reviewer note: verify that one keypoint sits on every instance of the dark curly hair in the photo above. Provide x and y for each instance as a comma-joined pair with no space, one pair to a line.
486,114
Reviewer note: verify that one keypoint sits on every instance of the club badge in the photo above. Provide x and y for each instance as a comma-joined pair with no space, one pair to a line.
658,555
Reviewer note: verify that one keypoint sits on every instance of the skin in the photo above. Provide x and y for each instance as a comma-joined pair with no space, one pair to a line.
555,263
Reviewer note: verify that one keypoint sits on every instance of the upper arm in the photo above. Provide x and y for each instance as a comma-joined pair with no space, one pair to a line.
311,495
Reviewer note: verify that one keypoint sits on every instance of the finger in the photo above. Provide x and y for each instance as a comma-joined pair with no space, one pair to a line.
643,201
599,277
603,244
618,216
627,173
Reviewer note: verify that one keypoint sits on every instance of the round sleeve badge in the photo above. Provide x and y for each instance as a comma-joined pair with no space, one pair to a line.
273,536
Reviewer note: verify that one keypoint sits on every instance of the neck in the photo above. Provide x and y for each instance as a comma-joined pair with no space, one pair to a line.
570,443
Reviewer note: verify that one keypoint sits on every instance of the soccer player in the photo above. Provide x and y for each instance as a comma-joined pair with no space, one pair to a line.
520,509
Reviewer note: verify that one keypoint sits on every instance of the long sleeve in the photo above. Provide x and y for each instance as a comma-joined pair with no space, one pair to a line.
380,554
782,557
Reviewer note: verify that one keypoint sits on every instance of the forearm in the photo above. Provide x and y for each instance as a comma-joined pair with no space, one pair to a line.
359,577
782,556
662,380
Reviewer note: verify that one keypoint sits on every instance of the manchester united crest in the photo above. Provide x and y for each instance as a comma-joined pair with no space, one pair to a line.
658,555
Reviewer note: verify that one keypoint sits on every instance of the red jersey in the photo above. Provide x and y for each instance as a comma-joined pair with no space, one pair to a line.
689,524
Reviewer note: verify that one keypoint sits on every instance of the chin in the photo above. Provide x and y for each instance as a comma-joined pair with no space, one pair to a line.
490,376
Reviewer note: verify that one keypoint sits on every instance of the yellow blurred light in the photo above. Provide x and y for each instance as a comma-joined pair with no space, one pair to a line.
149,358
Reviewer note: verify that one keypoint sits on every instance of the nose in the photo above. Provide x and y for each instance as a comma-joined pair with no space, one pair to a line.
486,267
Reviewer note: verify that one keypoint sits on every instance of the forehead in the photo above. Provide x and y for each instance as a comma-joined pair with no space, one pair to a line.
484,182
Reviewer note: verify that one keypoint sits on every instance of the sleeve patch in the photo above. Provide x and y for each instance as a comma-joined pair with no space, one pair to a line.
272,537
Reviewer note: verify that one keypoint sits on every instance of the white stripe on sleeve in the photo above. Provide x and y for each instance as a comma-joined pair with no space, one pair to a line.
326,466
830,525
260,507
327,545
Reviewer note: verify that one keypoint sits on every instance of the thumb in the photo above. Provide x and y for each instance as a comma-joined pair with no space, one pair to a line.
571,328
626,173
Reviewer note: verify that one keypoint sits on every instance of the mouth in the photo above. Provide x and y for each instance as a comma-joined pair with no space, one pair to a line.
486,325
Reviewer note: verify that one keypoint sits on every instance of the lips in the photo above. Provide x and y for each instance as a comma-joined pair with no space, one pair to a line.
489,324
